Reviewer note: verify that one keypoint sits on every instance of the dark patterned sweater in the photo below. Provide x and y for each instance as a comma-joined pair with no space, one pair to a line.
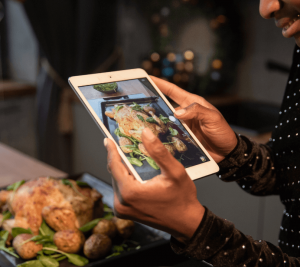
261,170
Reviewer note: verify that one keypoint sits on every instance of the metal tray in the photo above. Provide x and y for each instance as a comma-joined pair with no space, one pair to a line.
155,248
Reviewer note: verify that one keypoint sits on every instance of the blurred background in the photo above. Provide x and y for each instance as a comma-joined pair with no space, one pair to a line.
221,50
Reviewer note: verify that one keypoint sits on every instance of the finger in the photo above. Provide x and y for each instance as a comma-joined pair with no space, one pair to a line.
167,163
114,163
199,112
177,94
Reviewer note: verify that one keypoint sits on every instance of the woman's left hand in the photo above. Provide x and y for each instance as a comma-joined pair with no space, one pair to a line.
167,202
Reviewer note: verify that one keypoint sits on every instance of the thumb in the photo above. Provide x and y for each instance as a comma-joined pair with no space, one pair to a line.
114,163
168,164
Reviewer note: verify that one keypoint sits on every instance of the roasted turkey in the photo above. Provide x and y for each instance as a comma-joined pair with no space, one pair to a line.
132,122
62,206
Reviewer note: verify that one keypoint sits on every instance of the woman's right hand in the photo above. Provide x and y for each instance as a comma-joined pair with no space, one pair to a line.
205,121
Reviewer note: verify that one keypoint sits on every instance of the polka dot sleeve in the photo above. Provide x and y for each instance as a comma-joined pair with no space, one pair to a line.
252,166
219,243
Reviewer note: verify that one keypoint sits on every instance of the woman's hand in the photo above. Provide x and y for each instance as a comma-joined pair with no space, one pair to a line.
167,202
205,121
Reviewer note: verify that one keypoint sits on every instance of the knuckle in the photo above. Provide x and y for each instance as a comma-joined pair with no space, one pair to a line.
217,115
119,211
195,106
109,166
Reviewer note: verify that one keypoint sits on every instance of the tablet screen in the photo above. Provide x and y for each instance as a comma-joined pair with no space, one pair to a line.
126,108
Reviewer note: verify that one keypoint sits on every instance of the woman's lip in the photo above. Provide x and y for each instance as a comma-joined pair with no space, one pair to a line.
292,30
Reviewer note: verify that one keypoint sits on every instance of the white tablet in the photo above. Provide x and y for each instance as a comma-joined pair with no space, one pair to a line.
123,103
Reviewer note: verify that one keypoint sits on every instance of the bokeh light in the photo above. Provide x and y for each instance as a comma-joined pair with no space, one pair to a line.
188,66
188,55
147,65
166,62
171,57
180,66
155,57
164,30
217,64
165,11
167,72
155,18
215,75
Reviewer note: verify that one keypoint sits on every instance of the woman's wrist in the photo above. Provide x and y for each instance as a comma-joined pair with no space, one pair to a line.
191,220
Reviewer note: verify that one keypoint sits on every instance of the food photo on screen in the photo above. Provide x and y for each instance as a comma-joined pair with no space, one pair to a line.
126,108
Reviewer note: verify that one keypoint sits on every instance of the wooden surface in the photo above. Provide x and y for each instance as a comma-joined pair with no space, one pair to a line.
15,89
16,166
124,88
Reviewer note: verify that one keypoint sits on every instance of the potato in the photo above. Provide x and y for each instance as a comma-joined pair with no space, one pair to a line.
105,227
97,246
125,227
28,250
70,241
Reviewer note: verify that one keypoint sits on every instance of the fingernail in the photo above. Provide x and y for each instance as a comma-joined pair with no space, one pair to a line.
149,135
105,142
180,112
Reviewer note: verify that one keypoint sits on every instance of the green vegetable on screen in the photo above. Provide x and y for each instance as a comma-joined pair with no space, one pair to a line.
152,163
136,107
118,133
151,120
105,87
82,184
135,161
173,131
130,147
117,108
164,119
140,117
135,151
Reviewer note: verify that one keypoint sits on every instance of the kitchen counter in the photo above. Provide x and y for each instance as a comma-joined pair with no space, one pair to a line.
16,166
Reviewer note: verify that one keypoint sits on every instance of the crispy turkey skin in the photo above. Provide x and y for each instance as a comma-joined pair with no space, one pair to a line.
28,201
131,124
